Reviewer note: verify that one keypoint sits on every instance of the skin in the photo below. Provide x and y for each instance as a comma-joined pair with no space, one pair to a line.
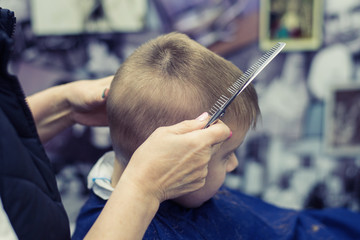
59,107
223,160
143,185
140,190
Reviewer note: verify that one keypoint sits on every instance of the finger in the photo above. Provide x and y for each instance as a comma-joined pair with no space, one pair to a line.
216,133
105,82
190,125
105,93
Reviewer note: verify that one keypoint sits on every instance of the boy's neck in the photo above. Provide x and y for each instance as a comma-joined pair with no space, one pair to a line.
117,172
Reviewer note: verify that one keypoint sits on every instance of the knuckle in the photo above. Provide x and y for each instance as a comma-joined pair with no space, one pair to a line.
201,183
187,123
204,173
192,144
159,131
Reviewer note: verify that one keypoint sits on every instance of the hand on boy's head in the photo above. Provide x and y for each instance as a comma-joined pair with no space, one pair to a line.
176,159
87,99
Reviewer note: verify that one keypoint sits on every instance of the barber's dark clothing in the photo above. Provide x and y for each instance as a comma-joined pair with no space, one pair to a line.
28,188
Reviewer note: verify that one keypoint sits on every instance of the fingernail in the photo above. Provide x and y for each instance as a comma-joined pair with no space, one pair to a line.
203,117
105,93
230,135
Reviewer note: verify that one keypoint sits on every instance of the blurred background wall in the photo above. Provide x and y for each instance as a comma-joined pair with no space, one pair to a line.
305,152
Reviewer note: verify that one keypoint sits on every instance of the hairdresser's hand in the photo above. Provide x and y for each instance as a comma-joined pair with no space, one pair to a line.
174,160
87,100
171,162
59,107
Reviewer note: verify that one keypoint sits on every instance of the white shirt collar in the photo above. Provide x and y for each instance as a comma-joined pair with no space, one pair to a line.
99,178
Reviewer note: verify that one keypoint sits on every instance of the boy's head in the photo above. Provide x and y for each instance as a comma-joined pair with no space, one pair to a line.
170,79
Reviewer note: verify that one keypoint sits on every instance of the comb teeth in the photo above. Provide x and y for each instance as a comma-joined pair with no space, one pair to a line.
241,81
219,103
218,110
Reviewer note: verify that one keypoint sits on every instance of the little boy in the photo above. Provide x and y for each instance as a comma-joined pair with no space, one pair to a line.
167,80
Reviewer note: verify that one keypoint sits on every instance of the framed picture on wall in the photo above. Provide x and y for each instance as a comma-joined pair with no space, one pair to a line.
298,23
342,121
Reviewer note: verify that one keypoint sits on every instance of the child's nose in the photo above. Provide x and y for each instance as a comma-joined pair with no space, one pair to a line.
232,163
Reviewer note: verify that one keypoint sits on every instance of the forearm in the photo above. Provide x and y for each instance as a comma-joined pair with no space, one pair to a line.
51,111
126,215
144,184
59,107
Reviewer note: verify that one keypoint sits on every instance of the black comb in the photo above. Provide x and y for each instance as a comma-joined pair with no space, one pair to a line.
218,110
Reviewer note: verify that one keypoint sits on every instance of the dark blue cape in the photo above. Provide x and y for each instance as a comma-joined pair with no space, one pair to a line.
233,215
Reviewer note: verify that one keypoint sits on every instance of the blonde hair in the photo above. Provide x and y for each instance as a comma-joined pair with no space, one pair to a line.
165,81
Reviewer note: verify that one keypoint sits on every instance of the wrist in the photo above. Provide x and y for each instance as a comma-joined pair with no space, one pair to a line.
140,191
127,213
67,104
51,111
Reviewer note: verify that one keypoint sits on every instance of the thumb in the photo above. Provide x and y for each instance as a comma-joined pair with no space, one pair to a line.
190,125
215,133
